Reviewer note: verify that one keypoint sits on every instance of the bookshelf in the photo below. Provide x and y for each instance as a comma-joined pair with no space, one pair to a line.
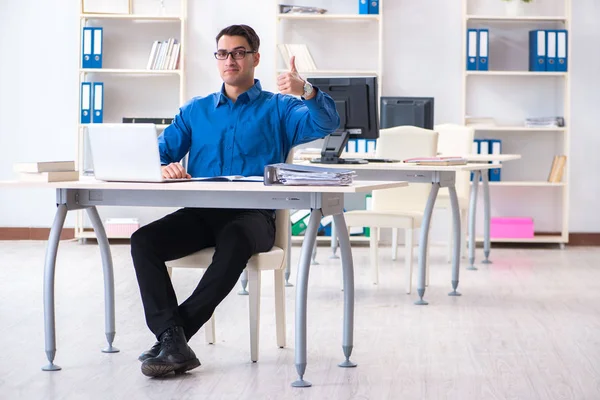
509,93
128,85
341,24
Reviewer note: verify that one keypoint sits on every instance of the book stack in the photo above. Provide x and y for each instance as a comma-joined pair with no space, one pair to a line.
557,170
164,55
46,171
304,60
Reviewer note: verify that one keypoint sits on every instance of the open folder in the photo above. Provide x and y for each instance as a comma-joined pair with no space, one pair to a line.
291,174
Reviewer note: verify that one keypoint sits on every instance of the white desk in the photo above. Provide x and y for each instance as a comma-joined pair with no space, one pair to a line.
438,176
477,173
485,158
88,193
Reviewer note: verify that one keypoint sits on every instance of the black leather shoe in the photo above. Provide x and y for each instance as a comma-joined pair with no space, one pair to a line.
153,352
175,355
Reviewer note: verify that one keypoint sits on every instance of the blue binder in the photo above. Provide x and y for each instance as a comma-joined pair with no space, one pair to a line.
98,103
86,48
495,148
551,50
97,48
86,101
472,49
363,6
537,50
483,42
373,6
562,50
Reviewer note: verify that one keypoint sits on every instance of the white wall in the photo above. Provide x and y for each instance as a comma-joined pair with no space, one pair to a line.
39,86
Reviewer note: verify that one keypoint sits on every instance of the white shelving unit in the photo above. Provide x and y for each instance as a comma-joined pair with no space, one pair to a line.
556,83
123,25
337,23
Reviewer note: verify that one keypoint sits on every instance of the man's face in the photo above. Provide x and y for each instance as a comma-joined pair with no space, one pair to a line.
236,72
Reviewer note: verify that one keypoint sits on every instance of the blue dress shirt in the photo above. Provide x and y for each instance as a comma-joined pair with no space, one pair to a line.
260,128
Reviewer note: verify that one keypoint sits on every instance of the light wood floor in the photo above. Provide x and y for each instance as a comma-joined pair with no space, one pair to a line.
526,327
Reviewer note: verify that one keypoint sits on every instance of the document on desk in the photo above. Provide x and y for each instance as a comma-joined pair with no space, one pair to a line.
229,178
291,174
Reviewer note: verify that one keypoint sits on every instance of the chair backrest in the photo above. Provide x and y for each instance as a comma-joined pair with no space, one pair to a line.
402,142
456,140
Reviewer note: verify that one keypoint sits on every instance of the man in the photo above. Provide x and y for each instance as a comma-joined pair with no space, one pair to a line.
236,131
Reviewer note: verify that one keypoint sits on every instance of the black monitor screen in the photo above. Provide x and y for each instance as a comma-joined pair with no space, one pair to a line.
356,103
414,111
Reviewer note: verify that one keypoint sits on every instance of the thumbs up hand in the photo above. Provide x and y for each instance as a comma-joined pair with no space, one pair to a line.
291,82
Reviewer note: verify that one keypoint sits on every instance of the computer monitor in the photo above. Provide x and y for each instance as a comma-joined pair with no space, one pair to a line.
356,102
414,111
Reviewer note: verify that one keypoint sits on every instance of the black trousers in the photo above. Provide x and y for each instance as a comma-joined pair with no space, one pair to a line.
236,236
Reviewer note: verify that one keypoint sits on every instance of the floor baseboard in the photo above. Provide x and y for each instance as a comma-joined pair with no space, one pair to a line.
18,233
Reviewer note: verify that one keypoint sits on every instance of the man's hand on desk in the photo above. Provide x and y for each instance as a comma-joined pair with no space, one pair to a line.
174,171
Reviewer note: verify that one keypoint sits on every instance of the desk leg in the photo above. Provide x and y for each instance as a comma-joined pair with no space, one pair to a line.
333,240
109,279
288,266
244,282
310,236
472,215
435,187
348,276
486,216
49,272
456,243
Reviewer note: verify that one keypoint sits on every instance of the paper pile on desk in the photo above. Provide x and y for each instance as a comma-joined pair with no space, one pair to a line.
291,174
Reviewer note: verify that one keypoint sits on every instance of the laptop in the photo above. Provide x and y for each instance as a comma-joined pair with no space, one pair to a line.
126,153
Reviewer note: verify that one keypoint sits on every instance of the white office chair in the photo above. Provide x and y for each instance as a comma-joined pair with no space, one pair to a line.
275,259
397,208
456,140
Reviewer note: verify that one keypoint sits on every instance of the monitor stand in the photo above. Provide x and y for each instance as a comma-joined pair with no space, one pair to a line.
332,150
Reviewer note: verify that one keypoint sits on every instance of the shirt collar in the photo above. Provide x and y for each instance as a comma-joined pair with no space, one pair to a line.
251,94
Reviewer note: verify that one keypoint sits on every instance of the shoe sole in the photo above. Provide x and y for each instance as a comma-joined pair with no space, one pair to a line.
157,370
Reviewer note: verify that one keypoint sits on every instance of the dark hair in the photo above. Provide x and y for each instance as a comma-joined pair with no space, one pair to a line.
244,31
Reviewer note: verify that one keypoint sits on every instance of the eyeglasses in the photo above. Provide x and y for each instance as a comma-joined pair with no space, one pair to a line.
237,54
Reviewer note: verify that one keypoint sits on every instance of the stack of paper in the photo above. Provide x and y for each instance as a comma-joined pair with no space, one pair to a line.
290,174
436,161
544,122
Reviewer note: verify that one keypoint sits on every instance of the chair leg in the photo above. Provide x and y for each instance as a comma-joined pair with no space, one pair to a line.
209,330
254,283
373,246
394,243
463,233
280,307
408,262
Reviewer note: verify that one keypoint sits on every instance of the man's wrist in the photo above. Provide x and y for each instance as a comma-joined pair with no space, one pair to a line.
311,95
